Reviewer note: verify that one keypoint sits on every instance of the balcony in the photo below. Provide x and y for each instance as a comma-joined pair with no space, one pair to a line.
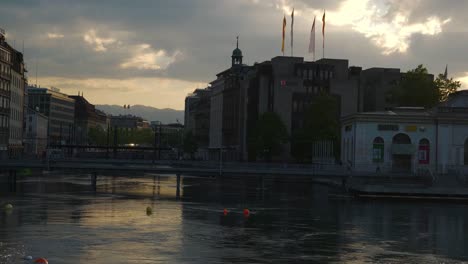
5,76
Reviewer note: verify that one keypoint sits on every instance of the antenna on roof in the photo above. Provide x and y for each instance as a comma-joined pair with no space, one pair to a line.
36,71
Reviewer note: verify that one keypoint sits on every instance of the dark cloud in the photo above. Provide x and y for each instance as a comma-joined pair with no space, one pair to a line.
204,32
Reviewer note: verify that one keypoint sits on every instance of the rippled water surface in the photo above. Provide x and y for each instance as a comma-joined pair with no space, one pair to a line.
64,219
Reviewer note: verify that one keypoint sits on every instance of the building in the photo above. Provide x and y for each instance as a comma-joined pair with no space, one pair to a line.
58,108
35,138
284,85
409,139
5,86
17,87
198,116
128,122
86,117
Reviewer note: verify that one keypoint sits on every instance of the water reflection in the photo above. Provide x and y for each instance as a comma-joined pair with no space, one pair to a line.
63,218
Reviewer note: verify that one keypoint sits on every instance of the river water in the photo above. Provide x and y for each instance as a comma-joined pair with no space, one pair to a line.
64,219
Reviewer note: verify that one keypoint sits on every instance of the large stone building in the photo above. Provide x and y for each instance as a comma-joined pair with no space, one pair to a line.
12,85
409,139
284,85
5,86
17,87
58,108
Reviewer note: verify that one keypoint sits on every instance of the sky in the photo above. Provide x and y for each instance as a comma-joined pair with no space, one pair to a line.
155,52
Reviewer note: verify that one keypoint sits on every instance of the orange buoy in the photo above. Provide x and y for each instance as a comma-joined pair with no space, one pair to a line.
246,212
225,212
41,260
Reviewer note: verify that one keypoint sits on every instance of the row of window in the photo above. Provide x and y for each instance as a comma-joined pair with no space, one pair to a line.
315,89
5,69
5,56
15,115
4,85
311,74
300,106
15,133
4,102
4,121
17,82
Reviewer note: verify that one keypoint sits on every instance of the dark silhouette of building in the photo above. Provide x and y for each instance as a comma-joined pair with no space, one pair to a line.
86,117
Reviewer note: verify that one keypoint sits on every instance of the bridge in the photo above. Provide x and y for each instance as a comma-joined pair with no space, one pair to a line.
334,175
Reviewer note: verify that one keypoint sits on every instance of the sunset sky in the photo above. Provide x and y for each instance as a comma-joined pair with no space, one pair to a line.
154,52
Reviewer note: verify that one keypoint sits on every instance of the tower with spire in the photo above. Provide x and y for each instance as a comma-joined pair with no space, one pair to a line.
237,55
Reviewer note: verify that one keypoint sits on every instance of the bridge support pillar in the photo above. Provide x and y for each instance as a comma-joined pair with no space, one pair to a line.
94,180
178,187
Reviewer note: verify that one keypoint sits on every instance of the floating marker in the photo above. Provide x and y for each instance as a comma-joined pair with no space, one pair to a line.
246,212
225,212
149,211
41,260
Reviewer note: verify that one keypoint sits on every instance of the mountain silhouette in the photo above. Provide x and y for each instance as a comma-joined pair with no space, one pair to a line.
166,115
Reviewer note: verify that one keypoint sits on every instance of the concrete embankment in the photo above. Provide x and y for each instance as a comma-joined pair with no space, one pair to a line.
447,188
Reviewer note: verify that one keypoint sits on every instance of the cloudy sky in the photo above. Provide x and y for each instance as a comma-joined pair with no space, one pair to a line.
154,52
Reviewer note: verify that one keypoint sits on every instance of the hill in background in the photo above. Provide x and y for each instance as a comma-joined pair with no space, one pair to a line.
149,113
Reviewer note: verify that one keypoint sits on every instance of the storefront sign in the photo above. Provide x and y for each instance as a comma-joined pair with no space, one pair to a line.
388,128
411,128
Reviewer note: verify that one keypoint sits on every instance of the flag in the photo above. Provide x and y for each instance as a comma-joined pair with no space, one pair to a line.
323,33
292,32
446,72
284,29
312,39
323,24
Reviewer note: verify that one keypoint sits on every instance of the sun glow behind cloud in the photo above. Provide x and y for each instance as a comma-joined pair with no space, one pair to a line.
99,44
146,58
55,36
387,23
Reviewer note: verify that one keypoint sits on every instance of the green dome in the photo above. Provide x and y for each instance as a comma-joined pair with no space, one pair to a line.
237,53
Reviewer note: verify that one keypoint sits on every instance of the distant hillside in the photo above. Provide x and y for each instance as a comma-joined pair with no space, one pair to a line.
147,112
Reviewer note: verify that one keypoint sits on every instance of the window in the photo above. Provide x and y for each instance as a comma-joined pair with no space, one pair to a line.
378,150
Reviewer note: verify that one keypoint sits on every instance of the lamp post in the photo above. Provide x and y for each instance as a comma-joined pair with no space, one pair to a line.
221,160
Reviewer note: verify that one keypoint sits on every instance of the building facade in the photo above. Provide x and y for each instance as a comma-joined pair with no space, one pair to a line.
35,133
128,122
5,86
58,108
86,117
17,87
409,140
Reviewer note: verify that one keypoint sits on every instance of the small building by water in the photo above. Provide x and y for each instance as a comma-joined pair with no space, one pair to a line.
409,139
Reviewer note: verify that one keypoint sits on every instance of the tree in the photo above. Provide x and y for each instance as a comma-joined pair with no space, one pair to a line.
269,135
446,87
97,136
321,122
416,89
190,145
